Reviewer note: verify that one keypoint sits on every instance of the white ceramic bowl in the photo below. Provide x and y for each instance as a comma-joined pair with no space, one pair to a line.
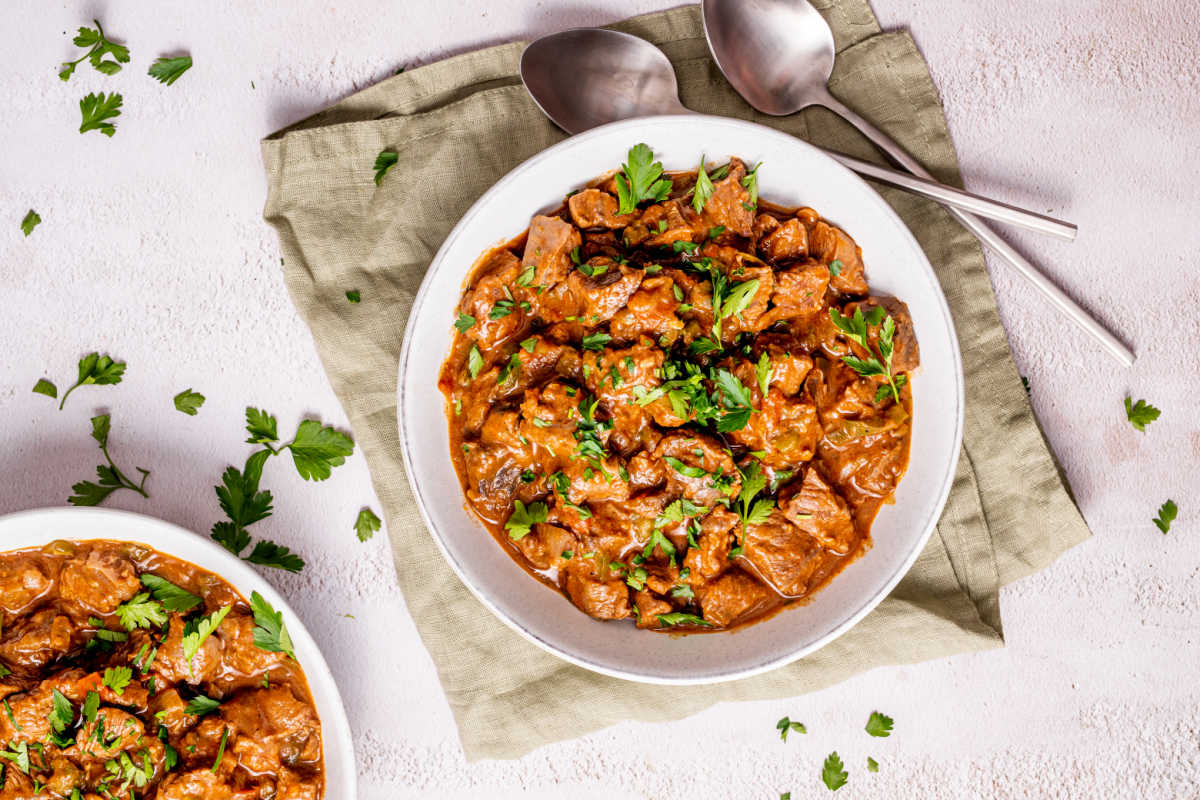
42,526
793,173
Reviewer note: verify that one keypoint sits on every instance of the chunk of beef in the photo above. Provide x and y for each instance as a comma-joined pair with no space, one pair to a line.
618,377
593,208
820,512
25,718
906,354
666,224
548,249
21,582
498,317
799,294
782,553
687,456
602,599
529,365
544,545
729,205
645,472
712,556
750,318
171,665
606,293
829,244
196,784
789,364
270,728
839,393
733,596
649,607
36,640
650,312
99,583
866,457
788,241
240,655
786,430
113,731
168,707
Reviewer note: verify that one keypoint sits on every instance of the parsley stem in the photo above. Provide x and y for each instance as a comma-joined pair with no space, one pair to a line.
125,482
67,393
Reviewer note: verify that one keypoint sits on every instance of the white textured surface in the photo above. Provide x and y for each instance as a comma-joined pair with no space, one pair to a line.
154,250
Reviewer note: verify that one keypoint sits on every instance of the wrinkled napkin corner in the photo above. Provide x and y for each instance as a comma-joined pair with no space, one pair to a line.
459,125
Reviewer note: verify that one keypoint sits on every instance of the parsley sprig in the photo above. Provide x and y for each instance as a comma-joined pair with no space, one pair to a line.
30,221
1166,515
87,493
879,725
1140,414
98,111
98,46
366,524
168,70
833,772
640,179
855,329
786,725
704,188
94,370
270,633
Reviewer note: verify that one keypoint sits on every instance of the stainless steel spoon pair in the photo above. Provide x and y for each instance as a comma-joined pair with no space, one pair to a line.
778,55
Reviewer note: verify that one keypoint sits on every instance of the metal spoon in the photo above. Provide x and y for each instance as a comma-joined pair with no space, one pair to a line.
586,77
778,54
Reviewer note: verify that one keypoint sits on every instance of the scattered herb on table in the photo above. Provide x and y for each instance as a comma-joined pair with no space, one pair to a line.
384,163
94,370
31,221
47,388
87,493
167,70
1166,515
98,46
354,296
872,765
98,111
879,725
786,725
188,402
1140,414
833,772
640,179
366,525
270,632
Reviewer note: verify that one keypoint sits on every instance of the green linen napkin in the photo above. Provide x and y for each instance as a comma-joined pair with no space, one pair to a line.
461,124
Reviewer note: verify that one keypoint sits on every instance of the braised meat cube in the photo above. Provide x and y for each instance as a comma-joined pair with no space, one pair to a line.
782,553
799,294
111,732
593,208
729,206
711,557
785,430
906,355
499,315
172,666
829,244
602,599
20,584
666,224
733,596
270,727
820,512
649,608
695,464
787,361
604,293
545,545
650,312
787,242
548,249
100,582
36,640
749,318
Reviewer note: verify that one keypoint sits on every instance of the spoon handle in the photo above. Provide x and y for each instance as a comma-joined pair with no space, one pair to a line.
989,237
957,198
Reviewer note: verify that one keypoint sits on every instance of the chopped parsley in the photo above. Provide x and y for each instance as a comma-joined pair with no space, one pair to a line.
1140,414
524,518
786,725
640,179
879,725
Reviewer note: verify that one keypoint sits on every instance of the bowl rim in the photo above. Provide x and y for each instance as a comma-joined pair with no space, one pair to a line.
869,603
335,727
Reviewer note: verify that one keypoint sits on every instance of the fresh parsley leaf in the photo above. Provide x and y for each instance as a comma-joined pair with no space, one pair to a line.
658,540
751,184
200,705
91,704
464,323
197,630
366,524
833,773
640,179
62,714
30,221
47,388
739,298
474,361
530,344
173,598
117,678
98,46
188,402
238,494
855,329
261,426
680,618
87,493
715,231
384,163
753,481
685,469
596,341
835,267
683,246
872,765
762,371
268,554
703,191
230,536
167,70
97,370
318,448
879,725
1140,414
523,519
270,632
97,111
786,725
17,753
141,612
1166,515
354,296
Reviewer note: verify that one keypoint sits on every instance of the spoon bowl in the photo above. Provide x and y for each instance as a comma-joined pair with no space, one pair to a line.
585,77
